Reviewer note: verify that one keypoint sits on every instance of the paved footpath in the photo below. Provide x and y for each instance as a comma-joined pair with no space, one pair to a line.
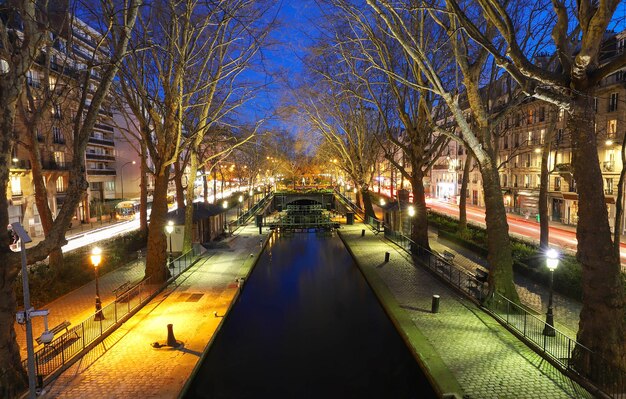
126,365
79,304
465,350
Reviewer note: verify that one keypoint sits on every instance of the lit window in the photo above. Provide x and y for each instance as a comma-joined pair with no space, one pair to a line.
16,185
60,184
611,128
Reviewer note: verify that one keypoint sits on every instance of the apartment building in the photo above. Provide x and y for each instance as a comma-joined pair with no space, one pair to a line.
522,137
53,85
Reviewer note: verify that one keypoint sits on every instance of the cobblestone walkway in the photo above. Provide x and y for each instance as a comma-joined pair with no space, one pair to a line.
79,304
126,365
486,360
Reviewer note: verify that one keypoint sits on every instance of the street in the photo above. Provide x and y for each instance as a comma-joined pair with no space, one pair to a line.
561,236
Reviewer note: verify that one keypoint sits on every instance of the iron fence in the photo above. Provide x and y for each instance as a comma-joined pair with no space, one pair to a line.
63,348
607,379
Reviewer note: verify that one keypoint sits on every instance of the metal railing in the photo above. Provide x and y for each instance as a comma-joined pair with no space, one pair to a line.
245,217
606,377
63,348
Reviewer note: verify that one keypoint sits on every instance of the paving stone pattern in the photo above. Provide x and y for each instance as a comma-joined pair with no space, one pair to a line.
486,359
126,365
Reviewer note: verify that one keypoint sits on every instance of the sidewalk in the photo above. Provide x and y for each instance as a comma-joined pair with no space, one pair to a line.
126,364
79,304
462,348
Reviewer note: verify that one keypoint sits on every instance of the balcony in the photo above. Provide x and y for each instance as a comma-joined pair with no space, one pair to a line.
58,140
40,138
101,172
20,164
608,191
19,193
99,157
103,127
93,140
53,165
608,166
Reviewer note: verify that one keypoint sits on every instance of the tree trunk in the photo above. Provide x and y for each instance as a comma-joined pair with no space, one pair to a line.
178,183
498,242
156,257
214,185
601,327
544,226
367,202
13,377
193,167
419,228
469,159
143,185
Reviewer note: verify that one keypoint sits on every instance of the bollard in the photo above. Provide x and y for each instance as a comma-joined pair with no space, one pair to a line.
171,340
260,229
435,304
386,257
362,232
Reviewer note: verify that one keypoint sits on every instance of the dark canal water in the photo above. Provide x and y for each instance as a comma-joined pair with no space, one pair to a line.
308,326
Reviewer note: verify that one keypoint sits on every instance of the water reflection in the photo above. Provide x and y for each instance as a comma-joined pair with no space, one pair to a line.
308,326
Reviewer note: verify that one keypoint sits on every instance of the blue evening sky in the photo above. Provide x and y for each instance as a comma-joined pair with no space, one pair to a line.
281,62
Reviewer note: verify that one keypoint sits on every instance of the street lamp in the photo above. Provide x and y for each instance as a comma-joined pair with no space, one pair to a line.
552,261
170,229
240,202
411,210
96,258
122,175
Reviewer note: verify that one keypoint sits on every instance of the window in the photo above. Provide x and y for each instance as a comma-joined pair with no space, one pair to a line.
56,111
32,78
542,114
60,185
561,114
613,102
516,140
528,160
109,186
59,157
611,128
526,181
542,136
559,135
57,135
608,185
530,138
620,46
16,185
595,104
518,119
514,180
557,184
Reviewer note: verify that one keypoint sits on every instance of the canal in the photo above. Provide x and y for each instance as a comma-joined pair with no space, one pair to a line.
307,325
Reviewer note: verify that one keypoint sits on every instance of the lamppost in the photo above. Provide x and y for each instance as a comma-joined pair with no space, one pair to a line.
240,203
552,261
122,175
170,229
96,257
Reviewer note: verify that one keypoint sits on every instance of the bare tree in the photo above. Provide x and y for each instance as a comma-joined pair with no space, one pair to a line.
408,112
22,33
577,31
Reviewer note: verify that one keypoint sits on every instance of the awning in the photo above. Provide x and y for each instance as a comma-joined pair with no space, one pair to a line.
609,200
570,196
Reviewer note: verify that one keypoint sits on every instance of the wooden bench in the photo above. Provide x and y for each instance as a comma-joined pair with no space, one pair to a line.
449,256
56,329
124,292
481,275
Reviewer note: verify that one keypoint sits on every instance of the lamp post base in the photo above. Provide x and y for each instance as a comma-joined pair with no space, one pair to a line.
548,330
99,315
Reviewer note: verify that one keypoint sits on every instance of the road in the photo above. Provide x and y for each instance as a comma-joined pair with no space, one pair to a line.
562,237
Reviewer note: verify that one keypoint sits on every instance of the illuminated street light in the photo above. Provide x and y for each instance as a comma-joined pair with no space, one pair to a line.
411,210
552,261
382,202
96,258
